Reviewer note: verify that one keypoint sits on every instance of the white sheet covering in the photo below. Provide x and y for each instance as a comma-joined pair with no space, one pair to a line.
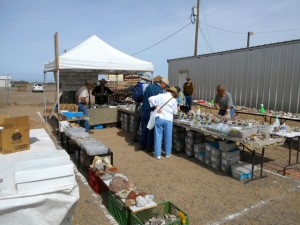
50,206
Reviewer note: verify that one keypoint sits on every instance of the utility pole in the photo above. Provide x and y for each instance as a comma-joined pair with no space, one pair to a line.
197,28
248,38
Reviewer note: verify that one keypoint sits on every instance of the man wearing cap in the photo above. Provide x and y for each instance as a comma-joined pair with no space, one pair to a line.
84,101
147,136
144,82
166,105
188,90
101,93
223,102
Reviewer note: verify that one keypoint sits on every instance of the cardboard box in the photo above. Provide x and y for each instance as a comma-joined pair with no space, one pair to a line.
14,136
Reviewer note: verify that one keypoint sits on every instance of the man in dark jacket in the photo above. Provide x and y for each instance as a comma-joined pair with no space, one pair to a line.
101,93
147,136
188,90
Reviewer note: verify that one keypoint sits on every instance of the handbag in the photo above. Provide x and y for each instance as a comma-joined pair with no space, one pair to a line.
153,115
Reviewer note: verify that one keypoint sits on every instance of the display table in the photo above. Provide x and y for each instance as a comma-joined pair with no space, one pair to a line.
103,116
289,137
49,203
267,117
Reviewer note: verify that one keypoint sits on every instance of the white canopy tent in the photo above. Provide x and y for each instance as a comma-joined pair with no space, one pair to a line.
95,54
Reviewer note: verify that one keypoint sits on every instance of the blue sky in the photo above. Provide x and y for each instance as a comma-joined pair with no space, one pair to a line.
28,26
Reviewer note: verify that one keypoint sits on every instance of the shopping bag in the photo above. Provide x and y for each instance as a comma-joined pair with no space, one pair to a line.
151,122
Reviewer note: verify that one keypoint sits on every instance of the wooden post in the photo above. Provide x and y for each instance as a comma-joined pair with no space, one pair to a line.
56,49
197,27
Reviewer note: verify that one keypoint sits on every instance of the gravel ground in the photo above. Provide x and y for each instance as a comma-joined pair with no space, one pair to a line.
209,197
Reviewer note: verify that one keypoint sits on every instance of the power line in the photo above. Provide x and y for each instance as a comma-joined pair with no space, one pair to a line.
166,38
222,29
256,32
276,31
204,19
205,39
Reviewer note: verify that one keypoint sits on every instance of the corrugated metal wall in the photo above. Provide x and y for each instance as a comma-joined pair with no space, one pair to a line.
267,74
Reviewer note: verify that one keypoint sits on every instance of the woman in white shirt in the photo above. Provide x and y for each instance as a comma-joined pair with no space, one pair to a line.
167,107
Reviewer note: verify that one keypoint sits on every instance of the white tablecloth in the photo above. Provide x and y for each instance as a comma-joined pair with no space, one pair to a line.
48,207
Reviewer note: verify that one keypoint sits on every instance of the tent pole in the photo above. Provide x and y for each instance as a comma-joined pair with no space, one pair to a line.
57,69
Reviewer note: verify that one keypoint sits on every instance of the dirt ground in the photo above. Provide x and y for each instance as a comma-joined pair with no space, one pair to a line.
207,196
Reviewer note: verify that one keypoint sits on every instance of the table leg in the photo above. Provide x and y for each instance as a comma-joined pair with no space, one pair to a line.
289,140
78,162
61,139
202,138
298,148
262,161
112,158
253,163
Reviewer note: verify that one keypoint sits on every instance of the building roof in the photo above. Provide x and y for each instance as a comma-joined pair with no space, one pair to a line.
240,49
4,77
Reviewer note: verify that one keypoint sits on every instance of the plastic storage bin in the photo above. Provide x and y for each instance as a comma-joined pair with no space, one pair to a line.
227,145
96,183
231,162
231,154
118,210
162,208
215,166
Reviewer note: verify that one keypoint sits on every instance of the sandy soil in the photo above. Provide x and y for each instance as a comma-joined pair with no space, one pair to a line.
209,197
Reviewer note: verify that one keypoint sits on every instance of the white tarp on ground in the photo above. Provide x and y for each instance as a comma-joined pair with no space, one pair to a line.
49,206
95,54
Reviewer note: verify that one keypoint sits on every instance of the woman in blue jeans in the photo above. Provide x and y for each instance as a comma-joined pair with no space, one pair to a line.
166,106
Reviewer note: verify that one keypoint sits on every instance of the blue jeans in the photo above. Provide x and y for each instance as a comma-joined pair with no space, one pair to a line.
163,129
82,108
189,101
222,112
147,136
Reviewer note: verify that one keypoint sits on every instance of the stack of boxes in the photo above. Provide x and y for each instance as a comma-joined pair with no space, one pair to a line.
125,120
207,160
191,138
131,123
178,139
230,155
215,156
199,152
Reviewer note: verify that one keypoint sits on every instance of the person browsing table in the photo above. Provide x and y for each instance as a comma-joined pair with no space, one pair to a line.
84,102
147,136
101,93
166,105
138,95
223,102
188,90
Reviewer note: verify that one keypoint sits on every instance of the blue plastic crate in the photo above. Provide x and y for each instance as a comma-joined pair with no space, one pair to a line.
99,127
69,114
78,114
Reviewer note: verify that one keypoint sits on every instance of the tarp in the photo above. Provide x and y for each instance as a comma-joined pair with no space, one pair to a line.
53,206
96,55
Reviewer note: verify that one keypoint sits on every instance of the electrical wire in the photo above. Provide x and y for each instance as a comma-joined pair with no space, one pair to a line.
256,32
205,39
276,31
204,19
166,38
222,29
